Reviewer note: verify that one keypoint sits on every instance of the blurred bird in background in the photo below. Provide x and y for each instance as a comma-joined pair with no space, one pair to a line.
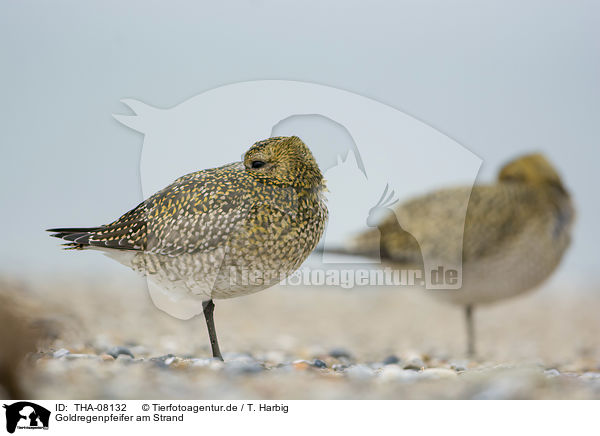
515,234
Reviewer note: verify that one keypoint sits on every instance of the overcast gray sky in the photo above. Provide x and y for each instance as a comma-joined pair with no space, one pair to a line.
500,77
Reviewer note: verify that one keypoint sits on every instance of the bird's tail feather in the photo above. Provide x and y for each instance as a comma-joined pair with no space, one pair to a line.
78,236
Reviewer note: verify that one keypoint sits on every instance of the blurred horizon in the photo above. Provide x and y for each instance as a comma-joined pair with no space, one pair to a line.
502,79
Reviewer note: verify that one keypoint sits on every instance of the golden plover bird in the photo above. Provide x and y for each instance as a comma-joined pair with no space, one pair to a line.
222,232
515,233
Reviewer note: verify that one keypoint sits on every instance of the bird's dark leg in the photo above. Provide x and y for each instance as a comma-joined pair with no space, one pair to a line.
209,307
470,330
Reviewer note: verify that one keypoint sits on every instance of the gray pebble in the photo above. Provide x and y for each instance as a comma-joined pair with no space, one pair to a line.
60,353
284,368
318,363
391,360
80,356
458,365
338,367
359,372
117,351
415,364
552,373
395,372
163,361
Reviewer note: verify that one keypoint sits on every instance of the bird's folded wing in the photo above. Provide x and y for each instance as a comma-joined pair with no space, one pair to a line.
197,213
188,216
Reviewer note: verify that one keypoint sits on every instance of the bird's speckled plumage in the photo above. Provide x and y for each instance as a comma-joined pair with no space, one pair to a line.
202,233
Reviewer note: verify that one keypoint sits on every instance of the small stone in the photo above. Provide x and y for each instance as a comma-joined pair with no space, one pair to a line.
60,353
339,367
551,373
390,372
318,363
72,356
415,364
125,358
359,372
213,363
390,360
117,351
301,365
340,353
395,372
180,363
459,365
107,357
284,368
161,361
438,373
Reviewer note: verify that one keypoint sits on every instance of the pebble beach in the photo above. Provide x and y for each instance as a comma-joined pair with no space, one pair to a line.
108,341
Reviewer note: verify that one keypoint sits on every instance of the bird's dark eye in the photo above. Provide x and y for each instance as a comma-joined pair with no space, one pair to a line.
257,164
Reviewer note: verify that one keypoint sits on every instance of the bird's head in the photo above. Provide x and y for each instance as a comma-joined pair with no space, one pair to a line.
284,160
532,169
